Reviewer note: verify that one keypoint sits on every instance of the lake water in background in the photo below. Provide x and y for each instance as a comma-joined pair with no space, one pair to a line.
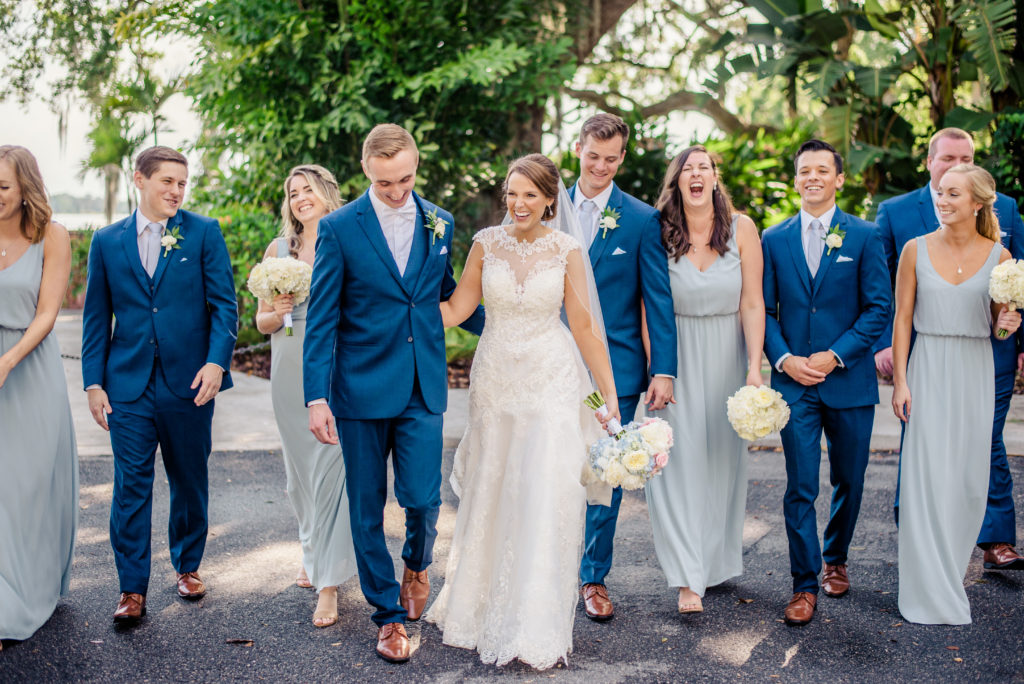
82,221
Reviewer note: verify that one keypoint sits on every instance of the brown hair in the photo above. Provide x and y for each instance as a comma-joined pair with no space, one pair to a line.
324,186
604,126
36,213
982,187
387,140
150,159
543,173
955,133
675,234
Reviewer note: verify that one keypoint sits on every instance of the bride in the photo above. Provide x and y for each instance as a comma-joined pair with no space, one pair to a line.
511,585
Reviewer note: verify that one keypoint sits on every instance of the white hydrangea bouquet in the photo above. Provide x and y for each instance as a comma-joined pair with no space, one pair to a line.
633,454
757,411
281,275
1006,286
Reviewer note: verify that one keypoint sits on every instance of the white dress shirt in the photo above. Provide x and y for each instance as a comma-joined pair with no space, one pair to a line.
935,202
601,203
398,226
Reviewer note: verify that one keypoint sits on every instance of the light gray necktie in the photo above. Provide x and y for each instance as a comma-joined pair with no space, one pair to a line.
815,246
151,240
588,219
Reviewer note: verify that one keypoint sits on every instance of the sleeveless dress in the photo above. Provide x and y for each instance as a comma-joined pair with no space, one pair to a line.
511,584
315,471
39,462
945,458
698,504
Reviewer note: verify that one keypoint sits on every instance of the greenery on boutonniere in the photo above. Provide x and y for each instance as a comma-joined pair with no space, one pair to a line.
834,239
436,225
609,221
171,239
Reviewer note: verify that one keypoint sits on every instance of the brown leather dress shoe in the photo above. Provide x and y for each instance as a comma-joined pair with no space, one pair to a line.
801,608
1002,556
190,586
414,593
595,600
130,608
834,581
393,643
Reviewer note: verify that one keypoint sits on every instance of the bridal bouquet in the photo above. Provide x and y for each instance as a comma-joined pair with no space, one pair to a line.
1006,286
757,411
633,454
281,275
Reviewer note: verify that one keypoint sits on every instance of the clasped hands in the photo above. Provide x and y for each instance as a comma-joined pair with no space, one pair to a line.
810,370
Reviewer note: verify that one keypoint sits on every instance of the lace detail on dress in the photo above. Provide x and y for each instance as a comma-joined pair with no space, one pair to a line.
511,582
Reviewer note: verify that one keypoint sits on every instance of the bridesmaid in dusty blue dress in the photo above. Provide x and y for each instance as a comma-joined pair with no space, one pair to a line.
38,458
945,394
316,472
698,505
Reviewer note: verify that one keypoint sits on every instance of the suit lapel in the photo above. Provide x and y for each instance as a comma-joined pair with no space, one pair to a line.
600,244
796,249
927,209
367,220
165,257
838,219
418,250
130,242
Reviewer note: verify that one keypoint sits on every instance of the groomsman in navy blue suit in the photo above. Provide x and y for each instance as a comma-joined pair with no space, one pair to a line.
631,273
374,361
900,220
159,327
827,298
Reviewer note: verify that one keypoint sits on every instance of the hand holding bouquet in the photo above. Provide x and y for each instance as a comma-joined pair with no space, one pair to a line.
1006,286
757,411
634,455
281,275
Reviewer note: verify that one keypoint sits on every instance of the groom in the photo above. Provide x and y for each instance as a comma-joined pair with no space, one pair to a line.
825,309
158,329
374,357
631,274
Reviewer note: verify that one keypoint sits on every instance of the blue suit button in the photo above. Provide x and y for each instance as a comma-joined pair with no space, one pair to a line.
152,341
814,310
410,339
412,304
155,309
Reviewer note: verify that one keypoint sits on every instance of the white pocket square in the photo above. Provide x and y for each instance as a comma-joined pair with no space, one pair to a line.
842,258
1002,233
444,250
618,250
183,259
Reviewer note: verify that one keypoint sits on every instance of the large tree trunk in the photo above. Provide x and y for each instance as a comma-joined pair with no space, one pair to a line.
111,182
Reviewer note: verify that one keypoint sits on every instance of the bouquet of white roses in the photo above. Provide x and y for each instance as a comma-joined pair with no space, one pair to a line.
757,411
1006,286
281,275
636,452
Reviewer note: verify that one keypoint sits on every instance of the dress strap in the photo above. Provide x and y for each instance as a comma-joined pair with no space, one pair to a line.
282,247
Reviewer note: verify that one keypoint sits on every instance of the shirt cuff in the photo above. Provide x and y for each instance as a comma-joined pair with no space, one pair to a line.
315,402
782,359
664,375
839,359
93,387
218,366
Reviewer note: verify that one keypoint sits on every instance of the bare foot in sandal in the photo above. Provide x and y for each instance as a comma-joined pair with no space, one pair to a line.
689,602
302,579
326,613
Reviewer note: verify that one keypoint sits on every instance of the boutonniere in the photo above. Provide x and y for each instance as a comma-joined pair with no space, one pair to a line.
834,239
171,239
436,225
609,221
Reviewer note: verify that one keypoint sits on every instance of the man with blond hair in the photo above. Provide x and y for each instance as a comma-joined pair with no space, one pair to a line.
375,373
900,220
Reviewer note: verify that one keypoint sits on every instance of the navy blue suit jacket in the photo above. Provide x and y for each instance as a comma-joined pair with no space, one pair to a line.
905,217
182,318
371,332
630,266
843,308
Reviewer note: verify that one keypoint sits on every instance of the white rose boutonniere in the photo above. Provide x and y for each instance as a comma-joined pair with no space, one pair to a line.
609,221
436,225
834,239
170,240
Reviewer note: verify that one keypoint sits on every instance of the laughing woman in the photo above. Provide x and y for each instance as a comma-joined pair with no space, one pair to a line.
316,472
715,267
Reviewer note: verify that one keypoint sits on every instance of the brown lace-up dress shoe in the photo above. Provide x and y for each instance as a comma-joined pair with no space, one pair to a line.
393,643
1002,556
414,592
834,581
190,586
801,608
595,600
130,608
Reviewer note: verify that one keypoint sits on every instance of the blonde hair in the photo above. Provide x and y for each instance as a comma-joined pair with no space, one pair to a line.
36,213
324,186
954,133
387,140
982,187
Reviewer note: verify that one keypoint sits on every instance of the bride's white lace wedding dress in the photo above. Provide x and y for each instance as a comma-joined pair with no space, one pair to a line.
511,586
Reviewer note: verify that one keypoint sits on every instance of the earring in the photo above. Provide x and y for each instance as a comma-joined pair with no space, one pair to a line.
975,212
